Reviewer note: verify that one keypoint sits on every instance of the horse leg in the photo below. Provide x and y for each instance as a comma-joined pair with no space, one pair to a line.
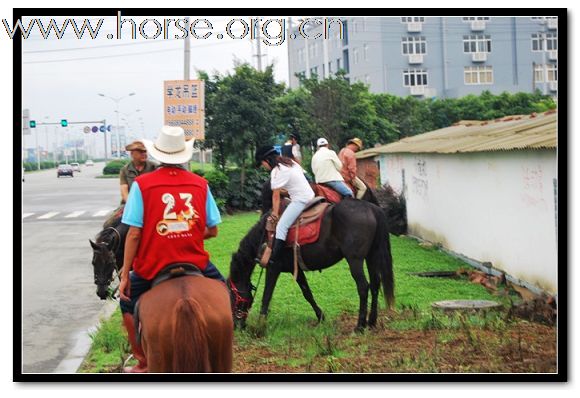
375,285
272,274
362,285
307,293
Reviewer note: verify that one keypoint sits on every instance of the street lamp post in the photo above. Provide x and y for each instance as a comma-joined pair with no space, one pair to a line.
126,118
117,100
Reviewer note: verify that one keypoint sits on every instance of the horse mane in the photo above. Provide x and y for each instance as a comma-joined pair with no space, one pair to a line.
248,248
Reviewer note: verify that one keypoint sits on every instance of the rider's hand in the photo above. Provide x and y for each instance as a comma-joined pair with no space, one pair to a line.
125,289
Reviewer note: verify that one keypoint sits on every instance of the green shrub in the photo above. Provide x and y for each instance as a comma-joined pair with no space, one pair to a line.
114,167
248,197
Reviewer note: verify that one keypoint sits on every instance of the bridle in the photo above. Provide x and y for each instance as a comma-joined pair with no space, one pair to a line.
110,260
239,299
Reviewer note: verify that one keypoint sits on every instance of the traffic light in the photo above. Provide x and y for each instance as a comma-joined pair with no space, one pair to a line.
64,122
33,124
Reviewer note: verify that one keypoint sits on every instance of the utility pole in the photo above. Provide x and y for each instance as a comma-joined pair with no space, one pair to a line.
186,53
258,43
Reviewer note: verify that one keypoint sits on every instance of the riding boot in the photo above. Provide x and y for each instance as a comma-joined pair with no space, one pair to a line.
277,247
138,353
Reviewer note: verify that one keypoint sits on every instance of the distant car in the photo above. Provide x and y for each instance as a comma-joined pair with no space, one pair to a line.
64,170
89,163
75,166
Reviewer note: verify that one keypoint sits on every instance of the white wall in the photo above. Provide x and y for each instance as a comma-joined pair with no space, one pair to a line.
489,206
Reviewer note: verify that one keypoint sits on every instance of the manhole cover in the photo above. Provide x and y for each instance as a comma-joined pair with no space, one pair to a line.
436,274
451,305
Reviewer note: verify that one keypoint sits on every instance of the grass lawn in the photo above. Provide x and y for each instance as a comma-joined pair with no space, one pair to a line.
293,341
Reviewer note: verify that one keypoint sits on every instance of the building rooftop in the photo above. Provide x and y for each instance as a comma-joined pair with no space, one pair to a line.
535,131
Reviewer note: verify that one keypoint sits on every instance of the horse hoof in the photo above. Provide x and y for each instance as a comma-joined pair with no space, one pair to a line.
359,329
321,317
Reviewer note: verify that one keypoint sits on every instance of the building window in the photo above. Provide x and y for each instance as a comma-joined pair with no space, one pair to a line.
414,77
311,51
329,67
478,75
367,79
345,63
551,40
414,45
366,52
469,19
355,55
337,64
551,72
300,55
345,33
477,44
542,18
412,19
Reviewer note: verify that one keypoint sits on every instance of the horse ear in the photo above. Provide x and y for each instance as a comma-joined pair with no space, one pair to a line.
94,245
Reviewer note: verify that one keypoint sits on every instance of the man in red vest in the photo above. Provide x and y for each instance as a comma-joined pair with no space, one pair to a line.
170,212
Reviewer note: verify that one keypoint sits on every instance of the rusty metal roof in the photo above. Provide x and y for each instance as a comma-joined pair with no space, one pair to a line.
535,131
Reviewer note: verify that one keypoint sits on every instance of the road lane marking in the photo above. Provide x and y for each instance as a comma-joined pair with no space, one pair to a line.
48,215
24,215
101,213
75,214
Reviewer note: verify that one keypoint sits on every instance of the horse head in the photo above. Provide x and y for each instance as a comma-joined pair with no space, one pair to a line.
104,263
241,288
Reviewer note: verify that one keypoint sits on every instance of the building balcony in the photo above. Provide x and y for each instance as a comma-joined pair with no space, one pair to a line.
552,24
477,26
417,90
415,59
478,57
414,27
553,86
553,55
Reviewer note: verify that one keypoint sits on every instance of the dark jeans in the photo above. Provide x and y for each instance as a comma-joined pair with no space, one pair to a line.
140,285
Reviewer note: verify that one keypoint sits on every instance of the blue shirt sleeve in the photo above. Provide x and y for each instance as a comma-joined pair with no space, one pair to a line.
133,212
212,213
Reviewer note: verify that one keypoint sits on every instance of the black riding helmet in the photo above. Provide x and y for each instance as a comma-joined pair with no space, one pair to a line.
263,153
295,135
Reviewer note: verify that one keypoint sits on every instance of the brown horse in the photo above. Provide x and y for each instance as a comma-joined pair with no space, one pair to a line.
186,326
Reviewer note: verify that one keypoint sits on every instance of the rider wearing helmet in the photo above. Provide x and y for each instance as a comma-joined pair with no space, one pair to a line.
288,175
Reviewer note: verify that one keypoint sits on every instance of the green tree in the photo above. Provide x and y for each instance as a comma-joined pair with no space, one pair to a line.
243,114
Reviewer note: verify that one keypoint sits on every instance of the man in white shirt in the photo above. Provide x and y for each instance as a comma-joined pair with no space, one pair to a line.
326,167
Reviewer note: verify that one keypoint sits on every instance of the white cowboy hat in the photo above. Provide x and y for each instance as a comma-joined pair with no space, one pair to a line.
170,147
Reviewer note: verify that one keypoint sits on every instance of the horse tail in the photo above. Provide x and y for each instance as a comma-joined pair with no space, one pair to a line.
190,342
382,257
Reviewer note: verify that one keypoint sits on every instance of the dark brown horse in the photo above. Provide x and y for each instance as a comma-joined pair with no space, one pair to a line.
353,229
108,249
186,326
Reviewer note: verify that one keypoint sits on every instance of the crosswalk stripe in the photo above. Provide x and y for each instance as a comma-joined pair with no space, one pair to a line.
101,213
24,215
75,214
48,215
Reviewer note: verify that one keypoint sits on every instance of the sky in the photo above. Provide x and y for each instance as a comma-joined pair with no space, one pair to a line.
63,77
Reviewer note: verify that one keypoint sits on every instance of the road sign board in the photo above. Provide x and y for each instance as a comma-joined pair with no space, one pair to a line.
87,130
109,127
95,129
102,129
184,106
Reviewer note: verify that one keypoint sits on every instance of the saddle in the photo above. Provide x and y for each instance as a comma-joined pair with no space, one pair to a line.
174,271
305,230
326,192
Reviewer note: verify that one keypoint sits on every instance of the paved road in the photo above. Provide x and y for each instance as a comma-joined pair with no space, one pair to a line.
59,215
